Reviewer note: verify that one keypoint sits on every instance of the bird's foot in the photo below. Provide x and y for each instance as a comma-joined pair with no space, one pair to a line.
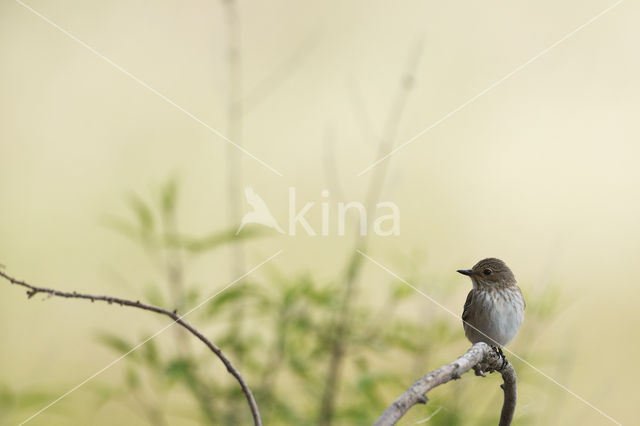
498,350
478,371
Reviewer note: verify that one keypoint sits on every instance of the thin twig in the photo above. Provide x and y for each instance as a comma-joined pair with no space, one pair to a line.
33,290
481,358
329,162
272,81
235,128
342,324
362,114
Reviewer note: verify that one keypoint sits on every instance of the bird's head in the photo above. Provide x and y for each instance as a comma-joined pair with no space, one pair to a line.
490,272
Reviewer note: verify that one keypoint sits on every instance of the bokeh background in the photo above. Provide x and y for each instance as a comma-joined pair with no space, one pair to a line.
540,171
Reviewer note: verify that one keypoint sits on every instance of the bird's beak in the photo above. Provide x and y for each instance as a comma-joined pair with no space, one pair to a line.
465,271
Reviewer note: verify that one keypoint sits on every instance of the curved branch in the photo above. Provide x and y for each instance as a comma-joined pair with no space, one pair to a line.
33,290
481,357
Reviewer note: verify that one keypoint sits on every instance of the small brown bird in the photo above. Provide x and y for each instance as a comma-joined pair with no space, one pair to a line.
494,308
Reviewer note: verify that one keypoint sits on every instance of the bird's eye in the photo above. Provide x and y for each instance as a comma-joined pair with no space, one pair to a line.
487,271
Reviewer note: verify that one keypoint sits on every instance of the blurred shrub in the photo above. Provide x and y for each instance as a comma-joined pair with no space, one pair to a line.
285,346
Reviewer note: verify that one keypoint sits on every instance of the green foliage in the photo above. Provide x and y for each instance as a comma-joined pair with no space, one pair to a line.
115,342
13,402
179,369
284,348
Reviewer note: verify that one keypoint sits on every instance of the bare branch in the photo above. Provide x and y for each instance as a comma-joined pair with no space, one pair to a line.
279,75
329,162
481,357
33,290
376,184
362,115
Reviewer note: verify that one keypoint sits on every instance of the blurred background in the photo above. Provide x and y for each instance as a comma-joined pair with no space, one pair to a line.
107,188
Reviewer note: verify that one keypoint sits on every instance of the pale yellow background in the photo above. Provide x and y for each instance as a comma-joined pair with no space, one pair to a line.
540,171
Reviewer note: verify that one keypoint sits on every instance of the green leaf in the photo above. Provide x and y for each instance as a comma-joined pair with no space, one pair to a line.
114,342
120,226
401,291
150,352
169,195
143,213
229,296
198,245
179,369
6,397
132,379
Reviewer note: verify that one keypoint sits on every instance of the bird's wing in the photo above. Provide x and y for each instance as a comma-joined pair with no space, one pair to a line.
524,302
467,306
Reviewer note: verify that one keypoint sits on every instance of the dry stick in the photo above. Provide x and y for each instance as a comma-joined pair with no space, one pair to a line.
481,357
235,172
234,130
276,77
33,290
341,325
329,163
174,267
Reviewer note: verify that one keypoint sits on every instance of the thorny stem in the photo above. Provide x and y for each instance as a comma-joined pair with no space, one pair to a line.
33,290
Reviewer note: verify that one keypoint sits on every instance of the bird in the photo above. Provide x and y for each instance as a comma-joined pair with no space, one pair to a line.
260,214
494,309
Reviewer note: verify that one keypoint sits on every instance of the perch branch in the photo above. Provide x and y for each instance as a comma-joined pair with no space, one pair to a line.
33,290
481,358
